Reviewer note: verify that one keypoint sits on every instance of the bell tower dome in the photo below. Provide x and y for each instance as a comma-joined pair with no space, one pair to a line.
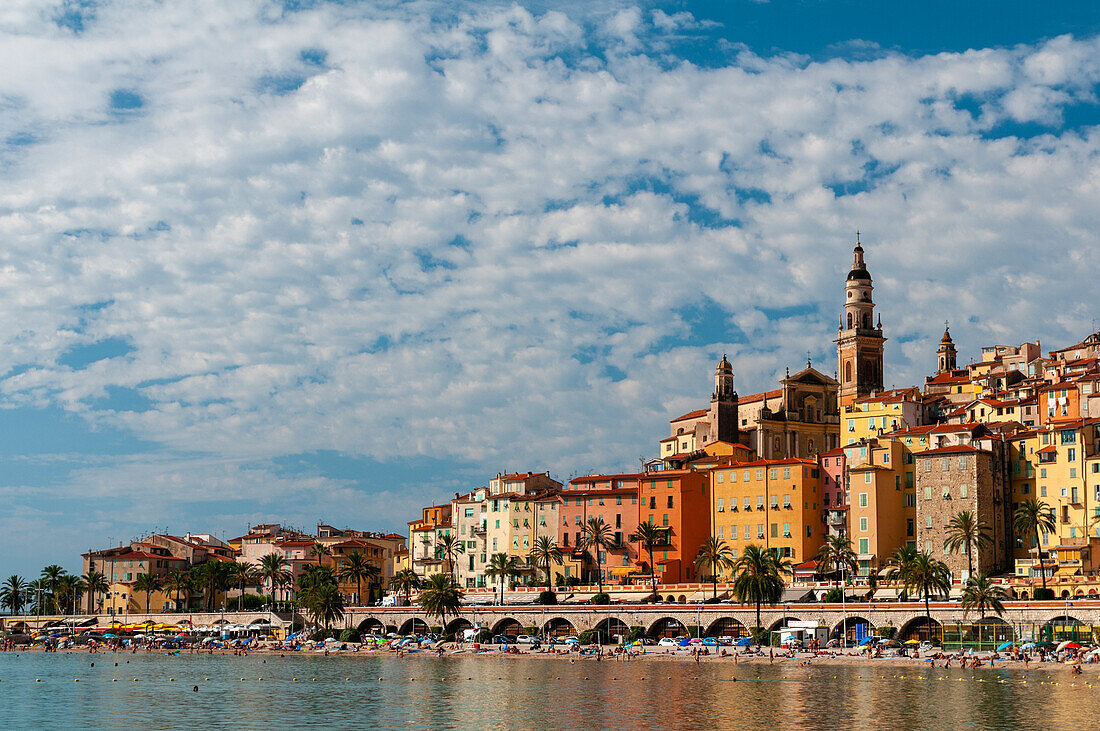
723,404
859,342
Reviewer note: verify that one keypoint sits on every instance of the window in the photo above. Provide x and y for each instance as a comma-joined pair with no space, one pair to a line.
863,500
867,477
774,502
720,477
787,502
775,530
759,475
733,532
772,473
786,530
721,532
664,520
721,505
786,473
748,503
618,499
963,490
927,492
864,545
670,501
962,461
1042,490
928,522
759,502
759,530
862,525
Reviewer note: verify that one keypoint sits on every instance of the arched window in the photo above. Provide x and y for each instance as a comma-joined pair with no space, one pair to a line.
867,320
848,369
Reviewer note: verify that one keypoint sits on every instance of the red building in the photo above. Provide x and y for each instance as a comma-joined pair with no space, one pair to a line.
613,498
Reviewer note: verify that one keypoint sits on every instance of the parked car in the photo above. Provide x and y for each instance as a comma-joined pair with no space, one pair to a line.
710,642
527,640
668,642
505,639
649,641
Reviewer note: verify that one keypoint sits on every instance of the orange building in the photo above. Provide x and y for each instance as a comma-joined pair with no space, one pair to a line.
678,500
775,504
1059,402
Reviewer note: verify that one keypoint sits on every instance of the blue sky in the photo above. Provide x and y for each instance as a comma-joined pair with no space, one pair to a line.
304,261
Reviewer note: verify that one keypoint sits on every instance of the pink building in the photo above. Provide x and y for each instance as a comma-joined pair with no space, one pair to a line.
613,498
834,492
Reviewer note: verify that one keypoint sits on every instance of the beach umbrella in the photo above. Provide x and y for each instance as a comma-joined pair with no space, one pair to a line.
917,642
1004,646
743,642
1028,646
866,641
685,642
1067,645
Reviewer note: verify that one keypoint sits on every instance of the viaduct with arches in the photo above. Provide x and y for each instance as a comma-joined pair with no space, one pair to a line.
716,620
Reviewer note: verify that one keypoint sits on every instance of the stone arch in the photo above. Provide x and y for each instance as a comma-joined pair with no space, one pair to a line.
854,627
670,598
610,627
559,627
1066,627
507,626
682,599
848,365
414,626
667,627
726,627
371,625
923,629
1065,593
781,622
457,625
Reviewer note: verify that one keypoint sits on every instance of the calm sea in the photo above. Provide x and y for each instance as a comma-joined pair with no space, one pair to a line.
474,693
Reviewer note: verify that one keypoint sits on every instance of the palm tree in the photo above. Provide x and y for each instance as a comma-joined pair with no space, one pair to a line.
1032,517
320,550
243,574
965,533
77,589
97,584
274,568
649,535
927,574
39,592
325,603
981,592
177,582
67,592
449,548
52,576
212,577
146,583
715,555
357,567
597,535
544,552
502,566
405,580
13,594
899,562
837,551
440,597
759,577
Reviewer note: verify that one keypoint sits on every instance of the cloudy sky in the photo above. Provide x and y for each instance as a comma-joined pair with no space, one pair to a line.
299,261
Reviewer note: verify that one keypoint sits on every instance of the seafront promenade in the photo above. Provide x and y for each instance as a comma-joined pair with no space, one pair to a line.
907,618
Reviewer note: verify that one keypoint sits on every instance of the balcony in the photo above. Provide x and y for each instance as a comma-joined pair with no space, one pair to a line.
478,529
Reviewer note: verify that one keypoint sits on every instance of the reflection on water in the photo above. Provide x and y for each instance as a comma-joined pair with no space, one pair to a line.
466,693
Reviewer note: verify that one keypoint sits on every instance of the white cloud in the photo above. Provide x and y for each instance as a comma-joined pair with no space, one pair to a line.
282,263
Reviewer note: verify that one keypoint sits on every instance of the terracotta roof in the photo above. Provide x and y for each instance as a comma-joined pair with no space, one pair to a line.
600,478
1047,450
958,448
753,397
691,415
145,554
834,452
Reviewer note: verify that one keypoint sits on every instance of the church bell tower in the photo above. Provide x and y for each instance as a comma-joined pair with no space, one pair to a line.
859,340
723,404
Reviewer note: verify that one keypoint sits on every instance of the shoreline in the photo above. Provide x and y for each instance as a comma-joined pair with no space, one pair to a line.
801,661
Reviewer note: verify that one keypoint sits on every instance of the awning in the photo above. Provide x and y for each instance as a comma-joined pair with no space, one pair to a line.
881,594
957,590
1068,571
479,600
519,598
795,595
623,570
697,596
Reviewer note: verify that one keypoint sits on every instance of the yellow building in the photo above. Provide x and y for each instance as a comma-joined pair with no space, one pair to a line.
882,507
888,411
1062,461
770,503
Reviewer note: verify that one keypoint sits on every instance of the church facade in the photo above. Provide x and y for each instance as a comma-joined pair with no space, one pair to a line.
800,418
